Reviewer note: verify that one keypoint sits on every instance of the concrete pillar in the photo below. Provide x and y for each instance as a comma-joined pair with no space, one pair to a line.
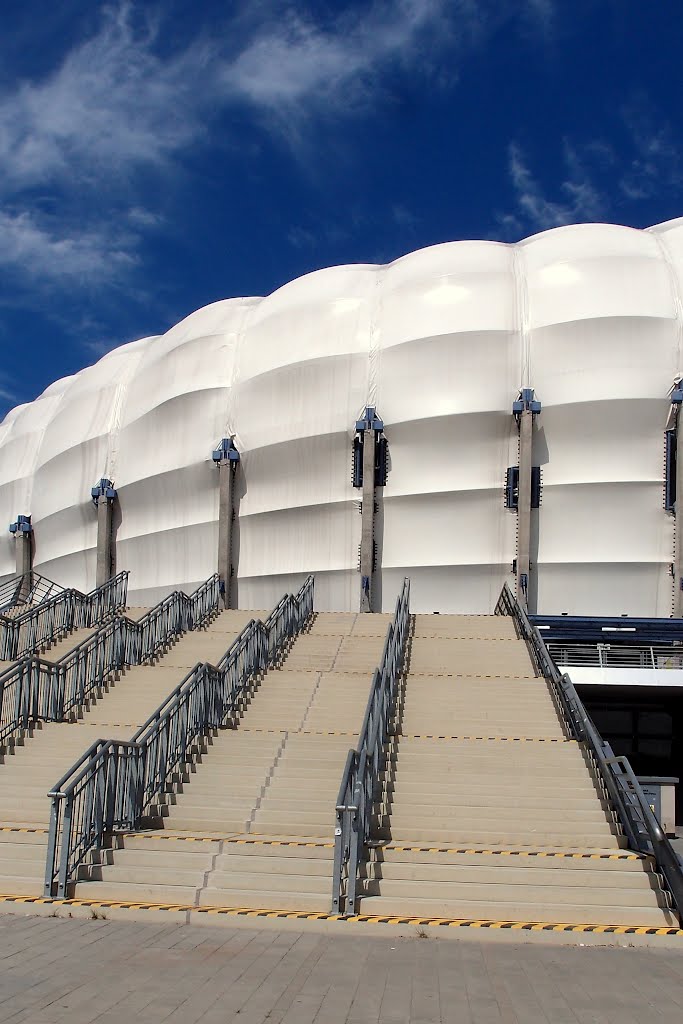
23,541
524,410
367,536
226,457
104,495
368,431
524,506
678,538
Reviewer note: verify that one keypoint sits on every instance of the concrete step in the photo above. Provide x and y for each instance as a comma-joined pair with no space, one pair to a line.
492,869
134,875
484,787
323,828
187,820
283,861
460,799
264,847
599,859
264,899
483,910
492,833
305,882
501,893
63,647
336,624
166,841
422,814
187,856
16,885
185,895
488,627
468,657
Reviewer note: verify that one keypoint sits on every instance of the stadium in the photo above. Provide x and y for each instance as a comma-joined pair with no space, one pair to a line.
440,342
479,431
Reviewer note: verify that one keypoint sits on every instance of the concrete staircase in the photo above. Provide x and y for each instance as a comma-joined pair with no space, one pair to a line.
251,823
488,811
34,765
60,648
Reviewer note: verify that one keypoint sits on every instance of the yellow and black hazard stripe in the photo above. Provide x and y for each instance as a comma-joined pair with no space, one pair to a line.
322,732
502,739
23,828
301,915
510,853
238,840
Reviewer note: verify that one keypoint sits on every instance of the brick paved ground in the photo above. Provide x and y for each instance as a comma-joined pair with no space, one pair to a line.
81,971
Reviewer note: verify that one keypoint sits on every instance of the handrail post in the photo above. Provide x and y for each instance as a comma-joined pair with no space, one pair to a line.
55,811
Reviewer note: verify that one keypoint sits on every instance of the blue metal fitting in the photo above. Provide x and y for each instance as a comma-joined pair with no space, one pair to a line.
103,489
526,402
22,525
370,421
226,452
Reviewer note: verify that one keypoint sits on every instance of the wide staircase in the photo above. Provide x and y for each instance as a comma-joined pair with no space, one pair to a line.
250,823
30,767
488,811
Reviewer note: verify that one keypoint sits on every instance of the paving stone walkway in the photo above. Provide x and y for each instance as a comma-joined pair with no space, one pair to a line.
83,971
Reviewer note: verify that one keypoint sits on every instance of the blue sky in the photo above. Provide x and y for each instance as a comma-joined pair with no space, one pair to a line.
155,157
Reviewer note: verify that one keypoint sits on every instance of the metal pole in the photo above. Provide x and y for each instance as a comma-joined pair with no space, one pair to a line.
524,409
104,539
678,542
23,551
104,496
226,457
526,422
367,539
226,475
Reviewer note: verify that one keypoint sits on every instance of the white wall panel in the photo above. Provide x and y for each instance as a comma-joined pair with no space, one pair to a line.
440,341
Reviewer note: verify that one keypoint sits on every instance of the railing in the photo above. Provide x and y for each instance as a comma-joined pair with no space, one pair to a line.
661,656
31,588
35,689
360,779
114,782
643,831
52,619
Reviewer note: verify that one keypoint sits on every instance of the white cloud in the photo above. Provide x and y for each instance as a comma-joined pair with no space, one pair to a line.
46,256
296,60
111,105
579,198
123,107
658,157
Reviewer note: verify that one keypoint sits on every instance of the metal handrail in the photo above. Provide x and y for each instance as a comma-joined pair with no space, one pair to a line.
356,798
662,657
54,618
110,787
38,690
28,589
629,804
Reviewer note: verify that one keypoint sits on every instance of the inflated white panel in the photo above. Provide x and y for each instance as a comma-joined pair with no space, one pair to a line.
441,341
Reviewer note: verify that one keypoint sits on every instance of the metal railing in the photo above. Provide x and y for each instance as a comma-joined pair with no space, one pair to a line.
114,782
661,656
29,589
620,785
38,690
357,792
54,618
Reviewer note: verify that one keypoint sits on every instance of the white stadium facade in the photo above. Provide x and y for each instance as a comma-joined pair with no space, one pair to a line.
471,415
440,342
